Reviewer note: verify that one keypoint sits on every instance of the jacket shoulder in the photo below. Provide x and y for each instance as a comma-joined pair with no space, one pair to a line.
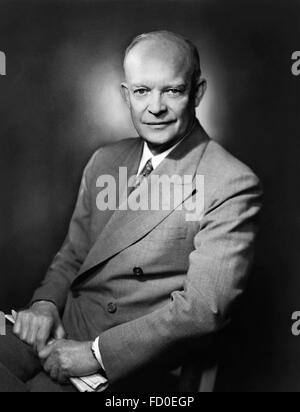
222,164
117,148
226,176
108,154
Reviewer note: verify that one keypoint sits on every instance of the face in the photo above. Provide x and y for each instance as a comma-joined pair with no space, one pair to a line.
158,93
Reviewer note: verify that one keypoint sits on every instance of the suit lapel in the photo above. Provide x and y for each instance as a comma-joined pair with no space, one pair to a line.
126,227
130,161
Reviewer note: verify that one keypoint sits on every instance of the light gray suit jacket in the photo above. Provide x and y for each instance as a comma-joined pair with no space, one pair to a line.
148,282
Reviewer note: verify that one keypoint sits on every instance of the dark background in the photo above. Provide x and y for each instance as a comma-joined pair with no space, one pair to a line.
60,101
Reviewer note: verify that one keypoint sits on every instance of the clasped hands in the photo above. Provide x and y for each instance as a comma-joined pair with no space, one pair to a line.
60,358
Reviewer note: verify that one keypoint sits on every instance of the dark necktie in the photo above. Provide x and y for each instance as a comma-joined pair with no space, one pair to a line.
147,170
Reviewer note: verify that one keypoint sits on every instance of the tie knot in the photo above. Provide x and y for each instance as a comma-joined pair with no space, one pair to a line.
148,168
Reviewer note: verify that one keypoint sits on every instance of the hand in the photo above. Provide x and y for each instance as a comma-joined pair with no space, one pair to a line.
38,324
66,358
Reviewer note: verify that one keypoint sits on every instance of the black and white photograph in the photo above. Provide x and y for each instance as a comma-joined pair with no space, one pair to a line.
150,211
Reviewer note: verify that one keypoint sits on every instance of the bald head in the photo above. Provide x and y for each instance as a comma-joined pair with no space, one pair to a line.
163,87
167,48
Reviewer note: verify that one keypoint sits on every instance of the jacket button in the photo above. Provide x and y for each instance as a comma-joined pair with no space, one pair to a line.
112,307
138,271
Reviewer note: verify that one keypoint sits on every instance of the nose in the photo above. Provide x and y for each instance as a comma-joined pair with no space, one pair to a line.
156,105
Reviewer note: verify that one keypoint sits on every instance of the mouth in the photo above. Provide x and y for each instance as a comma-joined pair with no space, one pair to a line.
159,124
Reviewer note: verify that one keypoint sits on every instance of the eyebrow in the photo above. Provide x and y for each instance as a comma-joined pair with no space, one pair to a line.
170,86
177,86
138,86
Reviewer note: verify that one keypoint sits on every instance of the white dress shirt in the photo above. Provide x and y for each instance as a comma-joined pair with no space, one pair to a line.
156,159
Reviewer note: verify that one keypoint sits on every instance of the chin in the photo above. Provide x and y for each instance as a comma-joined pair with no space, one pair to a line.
158,140
157,137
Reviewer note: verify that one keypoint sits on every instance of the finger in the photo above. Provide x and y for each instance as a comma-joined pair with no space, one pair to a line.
42,336
17,325
25,325
46,352
59,333
32,333
48,365
54,373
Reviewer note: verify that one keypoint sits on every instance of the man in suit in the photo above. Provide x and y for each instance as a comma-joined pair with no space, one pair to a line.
132,291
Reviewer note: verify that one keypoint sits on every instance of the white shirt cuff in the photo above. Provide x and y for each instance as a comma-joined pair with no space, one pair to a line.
97,353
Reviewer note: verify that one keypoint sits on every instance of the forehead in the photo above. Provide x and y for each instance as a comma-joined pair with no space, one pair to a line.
158,62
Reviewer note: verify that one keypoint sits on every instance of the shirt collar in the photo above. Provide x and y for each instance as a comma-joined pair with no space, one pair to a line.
156,159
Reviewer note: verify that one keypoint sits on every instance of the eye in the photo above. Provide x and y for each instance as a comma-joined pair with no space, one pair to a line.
140,92
174,92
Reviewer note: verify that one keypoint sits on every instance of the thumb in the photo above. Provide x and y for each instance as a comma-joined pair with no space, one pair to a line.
59,332
46,351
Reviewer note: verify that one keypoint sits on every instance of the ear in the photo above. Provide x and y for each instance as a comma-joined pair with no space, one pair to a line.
125,94
200,91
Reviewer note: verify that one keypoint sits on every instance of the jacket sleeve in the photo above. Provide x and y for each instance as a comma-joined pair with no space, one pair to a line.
223,251
69,259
